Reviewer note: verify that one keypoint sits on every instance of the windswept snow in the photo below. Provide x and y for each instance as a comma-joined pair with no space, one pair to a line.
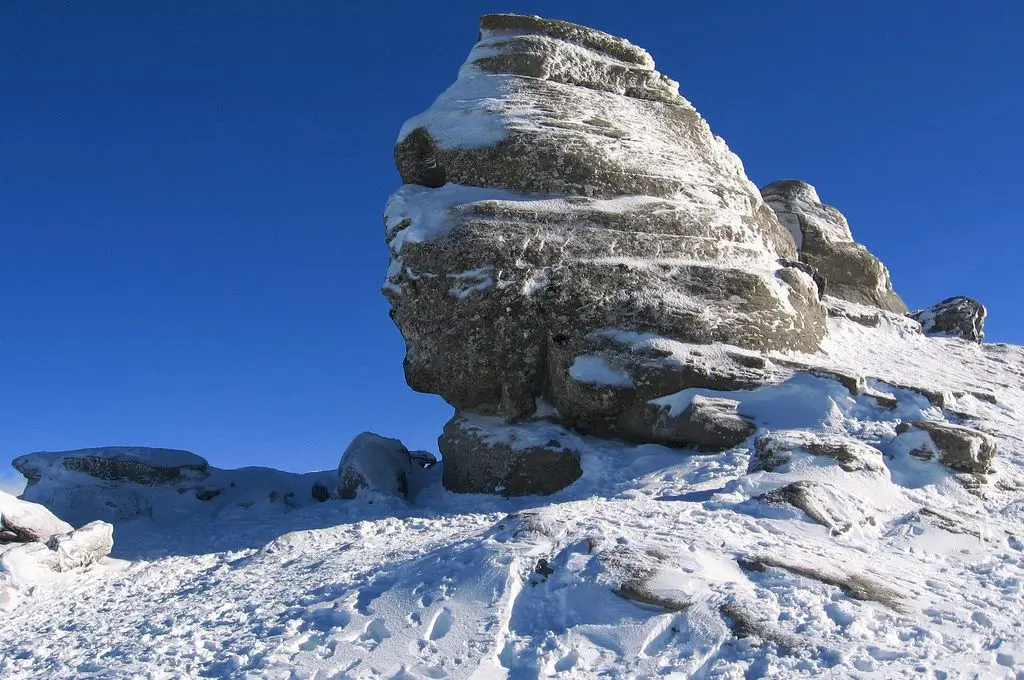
657,562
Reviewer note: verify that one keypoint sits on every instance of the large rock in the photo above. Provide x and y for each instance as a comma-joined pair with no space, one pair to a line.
137,464
23,522
956,317
482,455
561,193
383,465
823,238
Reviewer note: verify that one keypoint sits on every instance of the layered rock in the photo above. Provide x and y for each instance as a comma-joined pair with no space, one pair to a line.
955,317
824,241
962,449
559,195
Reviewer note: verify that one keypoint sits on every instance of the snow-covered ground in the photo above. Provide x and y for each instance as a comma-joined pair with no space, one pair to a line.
657,562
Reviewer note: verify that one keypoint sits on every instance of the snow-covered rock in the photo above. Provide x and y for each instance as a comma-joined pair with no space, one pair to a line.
116,484
956,317
24,522
823,239
383,465
959,448
483,455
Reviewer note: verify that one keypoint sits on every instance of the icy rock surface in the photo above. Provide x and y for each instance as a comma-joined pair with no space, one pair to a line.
956,317
822,236
562,188
114,484
22,521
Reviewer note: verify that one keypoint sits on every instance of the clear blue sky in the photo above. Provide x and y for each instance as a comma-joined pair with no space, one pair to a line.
191,190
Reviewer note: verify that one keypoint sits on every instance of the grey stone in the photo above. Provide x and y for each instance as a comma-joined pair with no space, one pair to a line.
478,459
959,448
562,189
823,503
774,450
707,424
824,241
956,317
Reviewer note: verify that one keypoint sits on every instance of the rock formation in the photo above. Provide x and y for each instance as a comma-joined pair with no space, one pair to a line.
563,204
823,239
21,521
119,483
956,317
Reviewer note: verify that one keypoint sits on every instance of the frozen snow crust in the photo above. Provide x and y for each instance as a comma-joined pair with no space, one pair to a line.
827,544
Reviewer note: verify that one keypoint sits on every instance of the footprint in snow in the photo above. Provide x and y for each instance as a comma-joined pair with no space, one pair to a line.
441,624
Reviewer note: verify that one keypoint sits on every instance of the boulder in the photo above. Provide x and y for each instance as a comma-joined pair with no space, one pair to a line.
484,455
25,522
383,465
959,448
823,239
562,192
776,450
955,317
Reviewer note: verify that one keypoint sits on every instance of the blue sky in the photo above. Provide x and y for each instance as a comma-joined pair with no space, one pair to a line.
191,191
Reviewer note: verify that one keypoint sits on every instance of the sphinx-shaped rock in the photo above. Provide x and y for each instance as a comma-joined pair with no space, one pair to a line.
562,195
823,238
956,317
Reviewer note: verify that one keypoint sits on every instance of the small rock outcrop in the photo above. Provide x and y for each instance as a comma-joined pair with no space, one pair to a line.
823,239
962,449
778,450
562,204
63,552
823,503
25,522
484,456
955,317
383,465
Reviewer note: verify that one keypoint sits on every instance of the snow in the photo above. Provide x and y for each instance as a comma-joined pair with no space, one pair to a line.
450,586
595,370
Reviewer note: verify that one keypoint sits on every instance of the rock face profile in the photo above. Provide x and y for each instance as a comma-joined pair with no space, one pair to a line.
955,317
564,211
823,239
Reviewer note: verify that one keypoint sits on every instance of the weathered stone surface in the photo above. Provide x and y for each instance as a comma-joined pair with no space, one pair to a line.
823,238
823,503
562,192
383,465
707,424
956,317
959,448
483,456
774,450
137,464
23,522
